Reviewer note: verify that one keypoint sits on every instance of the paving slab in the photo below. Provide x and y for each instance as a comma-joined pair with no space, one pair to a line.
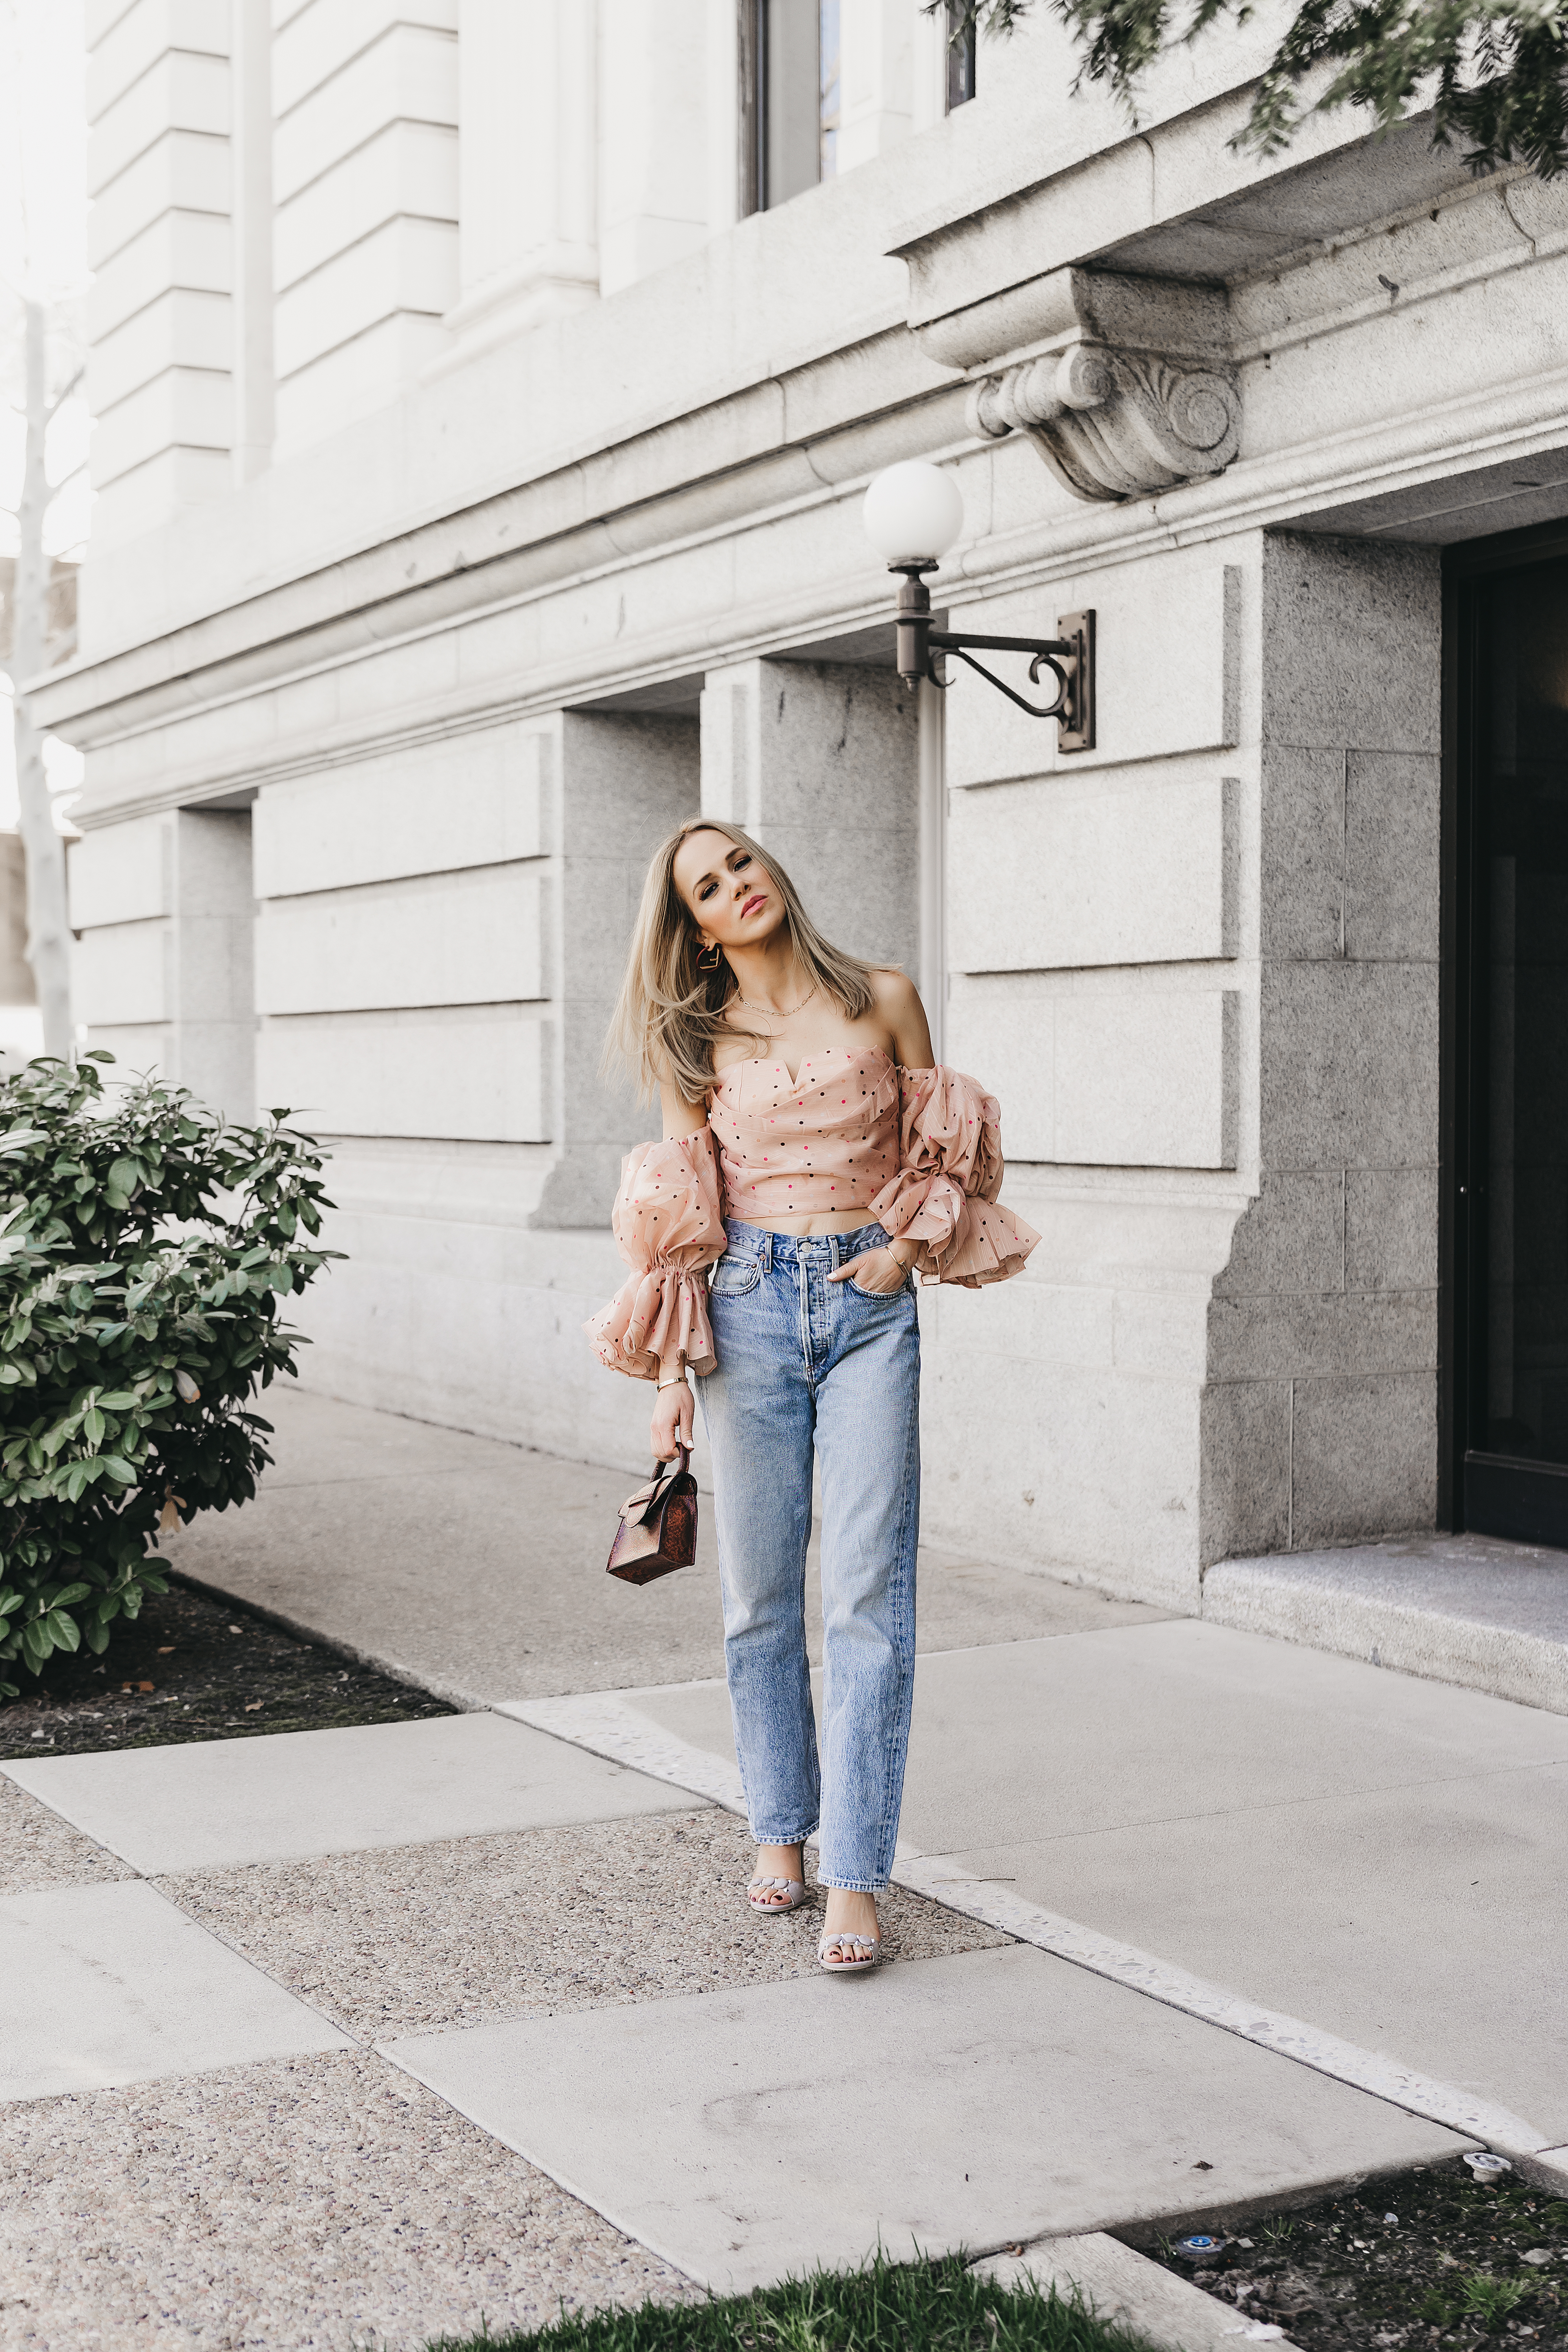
530,1922
213,1805
114,1984
39,1848
477,1570
1358,1850
321,2201
1124,2287
1043,2102
1426,1925
1157,1724
1462,1608
1548,2168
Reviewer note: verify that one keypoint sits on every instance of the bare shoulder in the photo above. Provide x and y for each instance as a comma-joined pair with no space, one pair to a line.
899,1008
897,999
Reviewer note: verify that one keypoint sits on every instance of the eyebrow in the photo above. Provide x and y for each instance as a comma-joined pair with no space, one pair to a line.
711,875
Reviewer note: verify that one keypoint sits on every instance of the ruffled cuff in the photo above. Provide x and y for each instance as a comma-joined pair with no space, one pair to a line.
962,1241
944,1194
655,1315
669,1223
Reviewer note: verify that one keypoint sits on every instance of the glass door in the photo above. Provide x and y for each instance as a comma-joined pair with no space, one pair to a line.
1510,1158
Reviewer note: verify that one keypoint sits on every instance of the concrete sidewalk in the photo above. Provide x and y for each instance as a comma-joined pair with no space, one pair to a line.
381,2029
478,1570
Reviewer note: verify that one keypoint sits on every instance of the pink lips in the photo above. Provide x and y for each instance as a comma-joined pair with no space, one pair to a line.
758,899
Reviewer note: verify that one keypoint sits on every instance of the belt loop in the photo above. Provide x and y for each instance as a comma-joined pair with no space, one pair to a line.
768,1253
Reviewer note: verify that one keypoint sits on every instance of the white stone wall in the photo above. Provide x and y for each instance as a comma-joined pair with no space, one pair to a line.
364,180
559,542
159,316
162,908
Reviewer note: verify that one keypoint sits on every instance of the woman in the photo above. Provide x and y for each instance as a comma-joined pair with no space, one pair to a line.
798,1097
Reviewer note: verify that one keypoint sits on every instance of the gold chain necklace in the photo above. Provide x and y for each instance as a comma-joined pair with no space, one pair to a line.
775,1012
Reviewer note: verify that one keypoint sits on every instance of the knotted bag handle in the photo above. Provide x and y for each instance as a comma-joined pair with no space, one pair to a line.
662,1472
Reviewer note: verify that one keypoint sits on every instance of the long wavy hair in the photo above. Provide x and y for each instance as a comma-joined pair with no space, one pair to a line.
671,1011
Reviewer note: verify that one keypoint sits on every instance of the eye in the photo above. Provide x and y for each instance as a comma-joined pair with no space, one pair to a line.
706,891
739,865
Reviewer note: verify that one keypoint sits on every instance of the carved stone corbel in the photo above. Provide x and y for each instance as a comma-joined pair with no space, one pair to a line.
1136,395
1116,425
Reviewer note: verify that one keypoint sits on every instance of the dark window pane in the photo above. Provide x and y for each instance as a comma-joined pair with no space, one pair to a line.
791,99
963,41
828,87
750,26
1521,906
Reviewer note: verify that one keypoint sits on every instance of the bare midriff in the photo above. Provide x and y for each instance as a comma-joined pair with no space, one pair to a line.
830,1221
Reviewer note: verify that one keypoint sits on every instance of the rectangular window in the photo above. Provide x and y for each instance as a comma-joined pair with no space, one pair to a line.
963,41
827,83
789,99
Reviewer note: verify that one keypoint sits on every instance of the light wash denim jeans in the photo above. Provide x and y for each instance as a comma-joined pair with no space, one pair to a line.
803,1362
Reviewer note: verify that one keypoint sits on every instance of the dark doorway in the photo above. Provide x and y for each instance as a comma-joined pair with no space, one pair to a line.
1508,1207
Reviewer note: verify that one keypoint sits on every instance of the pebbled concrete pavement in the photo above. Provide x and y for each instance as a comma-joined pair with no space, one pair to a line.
547,1928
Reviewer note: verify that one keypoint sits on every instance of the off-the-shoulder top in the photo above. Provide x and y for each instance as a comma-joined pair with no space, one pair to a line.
919,1150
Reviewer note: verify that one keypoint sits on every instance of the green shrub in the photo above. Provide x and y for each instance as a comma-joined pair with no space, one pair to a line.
144,1245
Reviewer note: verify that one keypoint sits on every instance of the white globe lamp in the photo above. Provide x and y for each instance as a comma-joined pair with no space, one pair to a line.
913,513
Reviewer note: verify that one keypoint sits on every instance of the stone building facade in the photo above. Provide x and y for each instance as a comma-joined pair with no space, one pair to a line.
487,389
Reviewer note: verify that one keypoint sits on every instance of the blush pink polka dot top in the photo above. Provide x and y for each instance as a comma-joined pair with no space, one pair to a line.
919,1152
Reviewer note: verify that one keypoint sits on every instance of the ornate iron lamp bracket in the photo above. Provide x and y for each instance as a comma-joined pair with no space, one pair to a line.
1070,658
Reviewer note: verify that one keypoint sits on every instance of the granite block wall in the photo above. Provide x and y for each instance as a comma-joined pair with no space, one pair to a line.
1320,1411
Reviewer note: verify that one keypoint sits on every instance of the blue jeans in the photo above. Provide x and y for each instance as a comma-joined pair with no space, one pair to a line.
803,1362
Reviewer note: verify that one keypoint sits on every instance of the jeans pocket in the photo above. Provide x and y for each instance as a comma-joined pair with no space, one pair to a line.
734,1277
878,1298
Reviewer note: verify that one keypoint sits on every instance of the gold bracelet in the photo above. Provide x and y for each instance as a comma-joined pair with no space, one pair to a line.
679,1382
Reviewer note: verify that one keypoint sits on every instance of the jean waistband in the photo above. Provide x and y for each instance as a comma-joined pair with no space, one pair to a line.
795,1249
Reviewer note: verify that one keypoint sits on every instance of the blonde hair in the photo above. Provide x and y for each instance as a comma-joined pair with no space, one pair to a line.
671,1011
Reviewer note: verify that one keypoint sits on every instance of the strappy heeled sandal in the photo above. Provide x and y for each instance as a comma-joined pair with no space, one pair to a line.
797,1893
870,1944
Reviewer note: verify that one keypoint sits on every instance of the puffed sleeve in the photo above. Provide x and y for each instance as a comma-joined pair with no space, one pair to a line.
944,1194
669,1223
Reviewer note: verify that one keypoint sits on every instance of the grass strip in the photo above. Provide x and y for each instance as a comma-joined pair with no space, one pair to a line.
924,2306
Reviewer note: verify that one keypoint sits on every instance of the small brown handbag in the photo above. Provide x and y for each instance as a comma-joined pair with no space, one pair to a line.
659,1525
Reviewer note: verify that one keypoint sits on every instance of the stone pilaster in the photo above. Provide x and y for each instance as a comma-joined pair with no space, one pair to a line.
164,908
1320,1415
621,784
819,761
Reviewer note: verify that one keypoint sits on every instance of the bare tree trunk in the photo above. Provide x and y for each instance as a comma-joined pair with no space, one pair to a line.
49,927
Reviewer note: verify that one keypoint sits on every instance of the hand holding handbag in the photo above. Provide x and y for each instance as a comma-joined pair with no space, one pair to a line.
659,1525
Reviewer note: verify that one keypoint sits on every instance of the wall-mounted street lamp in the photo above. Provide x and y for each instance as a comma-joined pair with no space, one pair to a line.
913,514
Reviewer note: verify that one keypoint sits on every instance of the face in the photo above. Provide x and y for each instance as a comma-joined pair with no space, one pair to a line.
733,897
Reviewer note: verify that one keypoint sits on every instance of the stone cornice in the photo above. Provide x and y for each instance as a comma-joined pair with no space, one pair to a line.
716,469
1495,427
1173,201
1126,381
